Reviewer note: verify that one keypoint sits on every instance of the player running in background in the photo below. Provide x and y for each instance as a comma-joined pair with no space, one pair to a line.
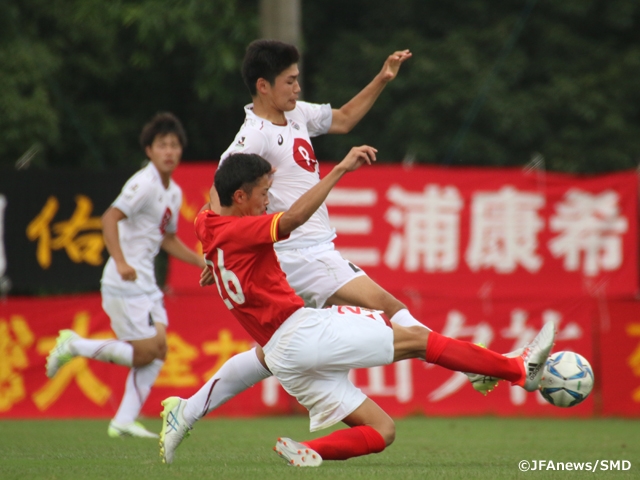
140,221
310,350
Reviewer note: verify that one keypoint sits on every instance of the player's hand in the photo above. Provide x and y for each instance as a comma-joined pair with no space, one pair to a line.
126,272
392,64
206,277
357,157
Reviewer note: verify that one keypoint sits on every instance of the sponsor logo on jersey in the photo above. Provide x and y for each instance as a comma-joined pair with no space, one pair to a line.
166,218
304,155
240,143
295,125
280,140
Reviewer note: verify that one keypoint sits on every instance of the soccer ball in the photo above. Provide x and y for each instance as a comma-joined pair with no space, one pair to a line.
567,379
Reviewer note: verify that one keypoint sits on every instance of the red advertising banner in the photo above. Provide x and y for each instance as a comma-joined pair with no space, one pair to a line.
202,335
481,255
619,349
476,233
195,181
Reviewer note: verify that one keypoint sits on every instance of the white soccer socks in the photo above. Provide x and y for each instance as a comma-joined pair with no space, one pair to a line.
113,351
405,319
137,389
237,374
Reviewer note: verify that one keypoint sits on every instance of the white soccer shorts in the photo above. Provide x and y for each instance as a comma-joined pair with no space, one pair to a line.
134,317
316,273
313,350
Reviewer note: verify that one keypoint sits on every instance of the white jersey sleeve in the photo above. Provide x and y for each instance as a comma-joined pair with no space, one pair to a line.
250,139
133,197
318,116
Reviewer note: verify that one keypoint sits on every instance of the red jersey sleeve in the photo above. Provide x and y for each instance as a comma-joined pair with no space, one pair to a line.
247,231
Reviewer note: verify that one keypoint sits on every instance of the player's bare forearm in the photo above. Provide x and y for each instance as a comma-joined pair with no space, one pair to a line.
110,220
174,247
307,204
348,116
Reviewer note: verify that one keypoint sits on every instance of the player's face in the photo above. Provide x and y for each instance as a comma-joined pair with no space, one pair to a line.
259,199
165,153
285,90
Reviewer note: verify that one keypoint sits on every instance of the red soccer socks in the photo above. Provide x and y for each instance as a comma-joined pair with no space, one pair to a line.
347,443
467,357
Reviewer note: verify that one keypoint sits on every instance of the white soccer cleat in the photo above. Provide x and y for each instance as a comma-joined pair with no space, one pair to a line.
297,454
133,429
535,355
174,427
485,384
60,354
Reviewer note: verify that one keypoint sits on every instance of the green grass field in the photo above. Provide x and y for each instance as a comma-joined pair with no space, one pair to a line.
450,448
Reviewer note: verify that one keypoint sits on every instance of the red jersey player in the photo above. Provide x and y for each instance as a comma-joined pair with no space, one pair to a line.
311,351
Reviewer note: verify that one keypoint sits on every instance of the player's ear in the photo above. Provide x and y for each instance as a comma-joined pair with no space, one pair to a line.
262,86
239,196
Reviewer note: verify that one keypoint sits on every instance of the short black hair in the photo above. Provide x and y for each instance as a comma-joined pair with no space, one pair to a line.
162,124
239,171
267,59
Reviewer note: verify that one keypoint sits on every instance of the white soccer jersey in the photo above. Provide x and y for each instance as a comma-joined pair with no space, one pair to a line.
288,148
151,211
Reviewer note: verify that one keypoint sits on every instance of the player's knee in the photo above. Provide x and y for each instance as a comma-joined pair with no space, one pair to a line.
161,354
147,352
388,431
142,357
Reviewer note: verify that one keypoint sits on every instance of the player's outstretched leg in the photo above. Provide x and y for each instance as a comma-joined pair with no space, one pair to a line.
296,454
60,354
174,427
524,371
531,355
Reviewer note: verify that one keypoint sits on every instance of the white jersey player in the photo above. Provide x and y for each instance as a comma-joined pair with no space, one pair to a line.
150,211
140,221
288,149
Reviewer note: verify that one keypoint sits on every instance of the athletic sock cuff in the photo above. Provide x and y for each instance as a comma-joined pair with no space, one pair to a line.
522,380
374,440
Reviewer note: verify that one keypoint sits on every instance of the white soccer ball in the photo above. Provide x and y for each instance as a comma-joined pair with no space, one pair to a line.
567,379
